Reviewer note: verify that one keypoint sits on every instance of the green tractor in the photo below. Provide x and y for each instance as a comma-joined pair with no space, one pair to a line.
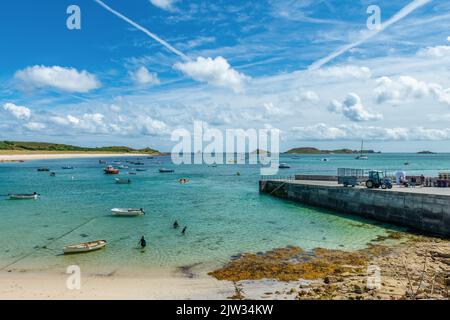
378,179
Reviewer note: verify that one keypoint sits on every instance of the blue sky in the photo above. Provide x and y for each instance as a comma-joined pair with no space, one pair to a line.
248,65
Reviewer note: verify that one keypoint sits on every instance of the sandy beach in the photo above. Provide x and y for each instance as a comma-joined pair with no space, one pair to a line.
66,155
161,286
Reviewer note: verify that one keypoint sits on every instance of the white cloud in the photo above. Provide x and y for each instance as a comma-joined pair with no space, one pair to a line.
17,111
325,132
35,126
216,71
319,131
60,78
435,52
397,90
163,4
344,72
124,124
272,110
307,96
144,77
353,109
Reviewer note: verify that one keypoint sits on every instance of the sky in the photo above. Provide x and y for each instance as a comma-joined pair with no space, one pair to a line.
138,70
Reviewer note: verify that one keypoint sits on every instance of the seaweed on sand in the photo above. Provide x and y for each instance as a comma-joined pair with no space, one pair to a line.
292,263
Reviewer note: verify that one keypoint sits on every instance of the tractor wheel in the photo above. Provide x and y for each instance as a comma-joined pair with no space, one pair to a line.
369,184
383,186
390,186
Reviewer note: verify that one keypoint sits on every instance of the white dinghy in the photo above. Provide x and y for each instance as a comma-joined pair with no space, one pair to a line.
32,196
124,212
85,247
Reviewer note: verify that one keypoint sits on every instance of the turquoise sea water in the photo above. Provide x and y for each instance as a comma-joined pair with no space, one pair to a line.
224,213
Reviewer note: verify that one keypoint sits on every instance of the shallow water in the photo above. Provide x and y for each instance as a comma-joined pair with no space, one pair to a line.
224,213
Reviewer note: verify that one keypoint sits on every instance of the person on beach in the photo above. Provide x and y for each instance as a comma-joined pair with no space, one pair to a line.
143,242
176,225
183,232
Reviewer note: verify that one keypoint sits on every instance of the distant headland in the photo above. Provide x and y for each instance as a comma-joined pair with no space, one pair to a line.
311,150
22,147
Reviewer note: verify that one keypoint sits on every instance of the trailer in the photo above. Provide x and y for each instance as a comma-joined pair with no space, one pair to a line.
350,177
348,181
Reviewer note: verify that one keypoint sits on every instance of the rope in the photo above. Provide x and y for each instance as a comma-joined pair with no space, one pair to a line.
45,246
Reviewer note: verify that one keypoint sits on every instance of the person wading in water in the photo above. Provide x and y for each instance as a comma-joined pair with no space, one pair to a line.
143,243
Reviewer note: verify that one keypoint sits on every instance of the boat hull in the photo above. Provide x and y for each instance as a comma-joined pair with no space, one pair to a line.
127,212
23,197
85,247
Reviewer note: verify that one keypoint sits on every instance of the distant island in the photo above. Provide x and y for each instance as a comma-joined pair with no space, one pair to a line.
426,152
34,147
311,150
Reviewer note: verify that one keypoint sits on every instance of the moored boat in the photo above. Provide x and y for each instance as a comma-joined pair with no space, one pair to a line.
284,166
67,168
127,212
85,247
43,169
32,196
111,170
164,170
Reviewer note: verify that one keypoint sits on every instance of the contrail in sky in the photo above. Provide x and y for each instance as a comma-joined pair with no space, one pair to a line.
147,32
412,6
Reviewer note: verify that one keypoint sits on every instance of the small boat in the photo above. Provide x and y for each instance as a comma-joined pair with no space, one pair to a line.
111,170
284,166
138,163
163,170
406,163
141,170
32,196
362,156
67,168
131,173
325,159
150,157
123,167
123,181
43,169
102,161
52,174
130,212
85,247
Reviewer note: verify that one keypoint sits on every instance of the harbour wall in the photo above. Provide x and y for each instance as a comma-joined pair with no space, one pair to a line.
428,213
